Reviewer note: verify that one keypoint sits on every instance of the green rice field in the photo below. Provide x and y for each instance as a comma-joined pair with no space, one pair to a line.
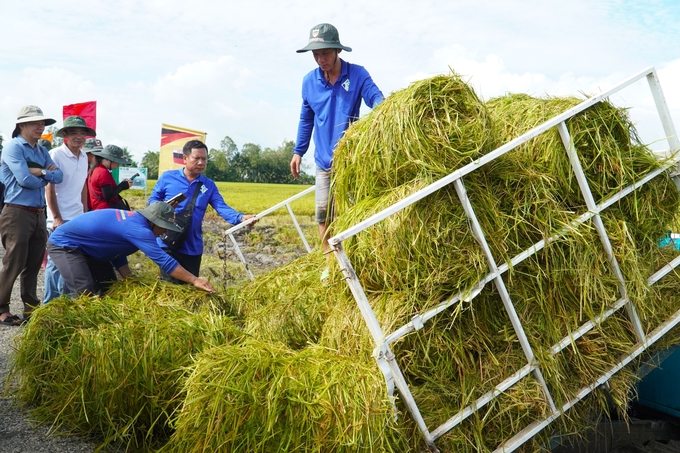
246,197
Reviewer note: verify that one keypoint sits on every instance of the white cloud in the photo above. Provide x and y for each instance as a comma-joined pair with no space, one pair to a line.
231,69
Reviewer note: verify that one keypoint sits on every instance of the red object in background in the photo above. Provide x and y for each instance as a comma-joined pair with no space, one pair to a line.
88,110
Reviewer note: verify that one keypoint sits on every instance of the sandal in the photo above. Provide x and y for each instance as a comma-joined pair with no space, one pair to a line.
11,320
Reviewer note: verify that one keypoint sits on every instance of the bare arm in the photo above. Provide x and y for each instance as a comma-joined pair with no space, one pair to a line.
295,163
83,197
51,198
182,274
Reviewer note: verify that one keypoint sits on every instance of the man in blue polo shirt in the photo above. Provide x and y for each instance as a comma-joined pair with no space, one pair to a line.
86,249
187,181
26,169
331,98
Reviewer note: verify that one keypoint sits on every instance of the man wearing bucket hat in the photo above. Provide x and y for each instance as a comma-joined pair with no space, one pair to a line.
102,188
26,169
68,199
86,249
91,144
331,99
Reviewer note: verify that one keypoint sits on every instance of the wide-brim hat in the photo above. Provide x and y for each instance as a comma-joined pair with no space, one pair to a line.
73,122
324,36
92,144
112,153
161,214
29,113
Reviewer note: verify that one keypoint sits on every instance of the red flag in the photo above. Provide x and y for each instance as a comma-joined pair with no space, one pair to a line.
88,110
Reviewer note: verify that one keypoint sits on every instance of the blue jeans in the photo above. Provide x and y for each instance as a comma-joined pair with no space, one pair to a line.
54,283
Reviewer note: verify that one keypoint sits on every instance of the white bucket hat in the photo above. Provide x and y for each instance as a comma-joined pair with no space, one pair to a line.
30,113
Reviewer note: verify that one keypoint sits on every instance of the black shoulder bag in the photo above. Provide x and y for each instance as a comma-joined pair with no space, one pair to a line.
122,203
175,239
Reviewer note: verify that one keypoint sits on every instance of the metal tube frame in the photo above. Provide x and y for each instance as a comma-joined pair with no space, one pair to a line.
383,353
230,232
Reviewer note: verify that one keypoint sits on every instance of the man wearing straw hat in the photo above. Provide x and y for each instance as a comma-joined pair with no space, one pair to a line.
68,199
26,169
86,249
331,99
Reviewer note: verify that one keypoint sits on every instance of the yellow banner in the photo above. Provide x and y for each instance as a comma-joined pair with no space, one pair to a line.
173,139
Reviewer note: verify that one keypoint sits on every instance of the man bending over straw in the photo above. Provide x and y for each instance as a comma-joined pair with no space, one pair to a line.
86,249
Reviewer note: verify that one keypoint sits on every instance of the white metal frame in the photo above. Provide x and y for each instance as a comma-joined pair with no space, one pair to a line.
230,232
383,352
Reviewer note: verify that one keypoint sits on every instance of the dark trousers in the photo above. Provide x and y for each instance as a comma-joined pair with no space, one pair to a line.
23,236
81,273
191,263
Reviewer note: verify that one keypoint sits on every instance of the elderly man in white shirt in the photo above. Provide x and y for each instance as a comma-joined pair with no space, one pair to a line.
68,199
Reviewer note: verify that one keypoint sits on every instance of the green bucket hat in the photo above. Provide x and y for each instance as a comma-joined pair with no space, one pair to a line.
92,144
75,121
161,214
324,36
112,153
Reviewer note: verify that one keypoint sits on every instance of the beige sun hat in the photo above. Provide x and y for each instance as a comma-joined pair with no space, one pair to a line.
30,113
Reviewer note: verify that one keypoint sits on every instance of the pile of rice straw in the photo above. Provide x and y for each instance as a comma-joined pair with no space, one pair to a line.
285,364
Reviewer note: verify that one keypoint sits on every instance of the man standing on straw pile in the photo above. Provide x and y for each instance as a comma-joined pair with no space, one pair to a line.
68,199
86,249
26,169
331,99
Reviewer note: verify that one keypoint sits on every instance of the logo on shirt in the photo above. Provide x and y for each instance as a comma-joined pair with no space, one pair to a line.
345,85
204,189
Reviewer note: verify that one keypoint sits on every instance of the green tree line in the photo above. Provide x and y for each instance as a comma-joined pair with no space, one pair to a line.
249,164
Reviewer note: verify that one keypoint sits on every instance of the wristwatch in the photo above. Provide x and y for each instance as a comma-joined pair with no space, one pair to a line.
43,172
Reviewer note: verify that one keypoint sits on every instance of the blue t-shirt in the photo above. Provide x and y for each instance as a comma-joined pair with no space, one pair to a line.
112,235
171,183
328,110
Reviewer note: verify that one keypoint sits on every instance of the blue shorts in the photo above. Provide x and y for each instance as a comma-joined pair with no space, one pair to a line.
324,201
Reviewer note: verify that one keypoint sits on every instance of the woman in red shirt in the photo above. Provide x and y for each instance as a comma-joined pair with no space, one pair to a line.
102,189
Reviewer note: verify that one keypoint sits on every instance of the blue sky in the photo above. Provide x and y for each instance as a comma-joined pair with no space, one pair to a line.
230,68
